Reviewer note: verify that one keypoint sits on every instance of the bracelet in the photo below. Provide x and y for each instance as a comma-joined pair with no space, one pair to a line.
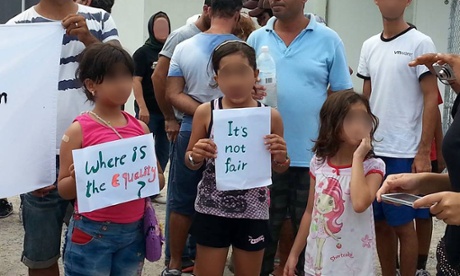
285,163
192,162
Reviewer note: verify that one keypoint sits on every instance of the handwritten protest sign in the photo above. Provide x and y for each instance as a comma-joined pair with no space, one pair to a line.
115,172
242,162
29,74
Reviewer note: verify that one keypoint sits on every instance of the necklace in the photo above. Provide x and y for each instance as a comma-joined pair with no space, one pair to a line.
107,123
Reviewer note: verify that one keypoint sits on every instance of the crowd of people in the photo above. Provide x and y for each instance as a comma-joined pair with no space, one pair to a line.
334,152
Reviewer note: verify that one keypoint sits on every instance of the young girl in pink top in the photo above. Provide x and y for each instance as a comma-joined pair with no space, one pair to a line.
109,241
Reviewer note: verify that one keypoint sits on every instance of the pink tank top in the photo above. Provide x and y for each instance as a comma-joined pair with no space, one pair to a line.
95,133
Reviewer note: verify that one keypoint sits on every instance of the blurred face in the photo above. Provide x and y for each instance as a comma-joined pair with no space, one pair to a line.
161,29
392,9
236,78
263,19
356,125
285,9
115,89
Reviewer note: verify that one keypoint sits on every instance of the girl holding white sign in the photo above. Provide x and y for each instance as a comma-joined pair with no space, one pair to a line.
337,227
108,241
231,218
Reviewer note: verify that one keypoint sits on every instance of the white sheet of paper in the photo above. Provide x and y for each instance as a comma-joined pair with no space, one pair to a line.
115,172
29,75
242,162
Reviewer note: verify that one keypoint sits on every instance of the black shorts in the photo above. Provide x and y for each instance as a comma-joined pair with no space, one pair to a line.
219,232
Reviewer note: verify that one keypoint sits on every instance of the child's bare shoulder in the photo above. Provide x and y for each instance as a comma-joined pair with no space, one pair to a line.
144,127
275,113
203,111
74,129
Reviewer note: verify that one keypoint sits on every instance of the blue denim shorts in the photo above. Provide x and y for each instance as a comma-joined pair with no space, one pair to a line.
184,182
103,248
42,220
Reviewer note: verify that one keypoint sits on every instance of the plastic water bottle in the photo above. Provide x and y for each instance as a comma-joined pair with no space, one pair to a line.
267,74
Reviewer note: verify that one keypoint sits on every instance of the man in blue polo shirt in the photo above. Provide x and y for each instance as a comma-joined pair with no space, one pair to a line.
309,57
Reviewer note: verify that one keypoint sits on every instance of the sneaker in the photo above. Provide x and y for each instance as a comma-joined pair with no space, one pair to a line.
171,272
422,272
6,208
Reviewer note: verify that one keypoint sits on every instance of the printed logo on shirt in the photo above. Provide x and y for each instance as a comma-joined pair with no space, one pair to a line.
256,241
403,53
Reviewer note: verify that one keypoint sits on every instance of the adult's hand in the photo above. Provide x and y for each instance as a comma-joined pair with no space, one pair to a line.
75,25
429,59
259,92
444,205
406,182
144,115
172,128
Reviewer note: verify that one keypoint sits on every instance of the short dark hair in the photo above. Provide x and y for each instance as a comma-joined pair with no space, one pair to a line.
103,4
225,8
207,2
331,118
99,61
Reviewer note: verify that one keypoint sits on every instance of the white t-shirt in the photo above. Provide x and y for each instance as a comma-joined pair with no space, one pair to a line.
72,99
396,98
341,241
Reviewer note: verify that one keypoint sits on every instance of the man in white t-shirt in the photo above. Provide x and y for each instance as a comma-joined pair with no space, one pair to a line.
405,100
44,209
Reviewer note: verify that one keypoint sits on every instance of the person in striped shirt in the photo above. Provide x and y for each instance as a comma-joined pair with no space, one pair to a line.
44,210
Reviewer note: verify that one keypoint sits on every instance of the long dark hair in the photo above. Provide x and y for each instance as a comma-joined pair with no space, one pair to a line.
331,117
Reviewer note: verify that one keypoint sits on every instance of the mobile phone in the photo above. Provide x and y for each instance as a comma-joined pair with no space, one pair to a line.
401,198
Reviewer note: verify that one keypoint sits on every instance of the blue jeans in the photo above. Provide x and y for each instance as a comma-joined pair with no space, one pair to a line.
104,248
42,220
157,127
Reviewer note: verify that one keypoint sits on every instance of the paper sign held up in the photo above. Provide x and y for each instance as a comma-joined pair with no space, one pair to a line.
29,75
115,172
242,162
